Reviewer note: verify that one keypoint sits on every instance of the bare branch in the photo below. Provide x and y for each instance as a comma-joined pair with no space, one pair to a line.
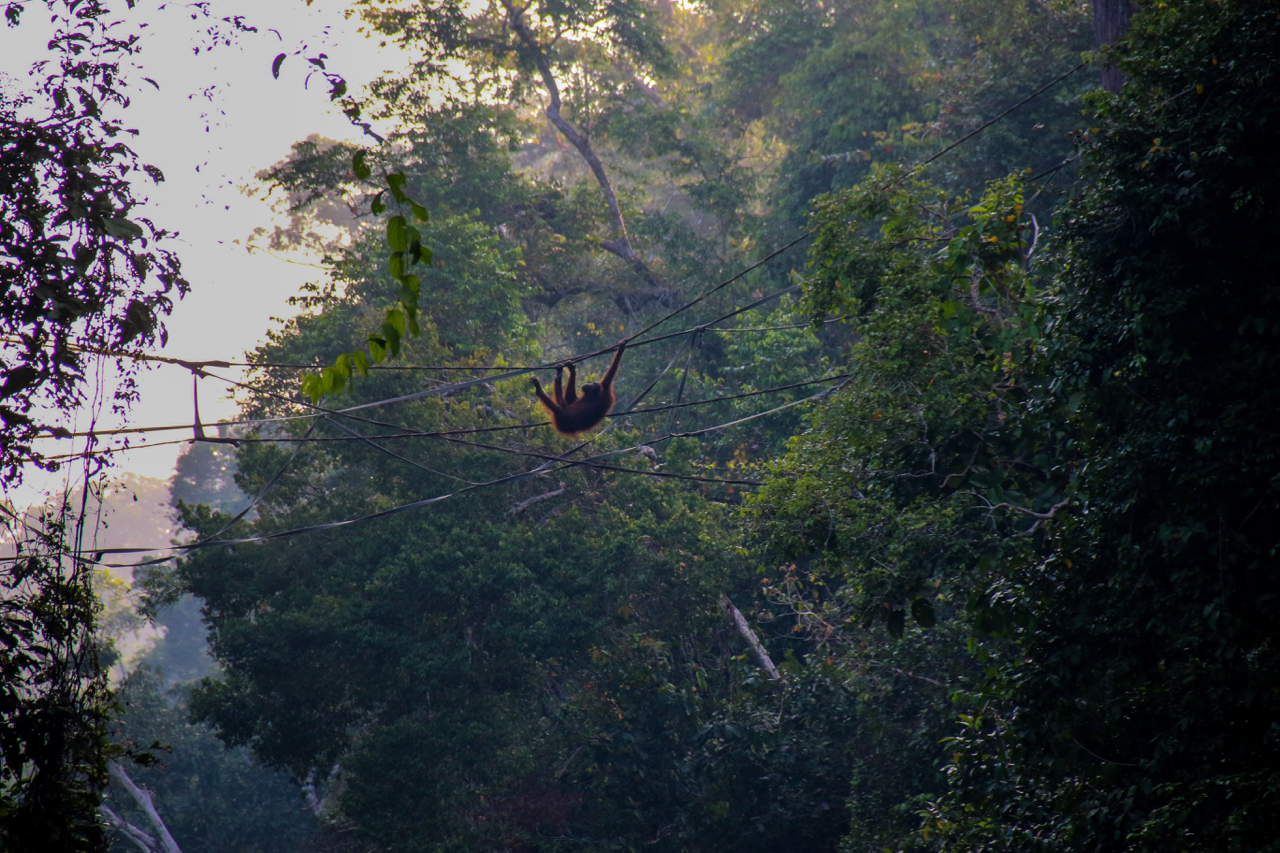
145,842
753,642
1041,517
621,244
167,844
523,505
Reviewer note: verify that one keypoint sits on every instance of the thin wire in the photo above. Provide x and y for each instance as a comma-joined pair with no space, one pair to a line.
982,127
198,367
369,440
692,433
545,468
684,376
262,493
1052,169
438,390
201,367
761,301
723,284
195,365
241,440
590,463
654,409
411,433
781,328
459,386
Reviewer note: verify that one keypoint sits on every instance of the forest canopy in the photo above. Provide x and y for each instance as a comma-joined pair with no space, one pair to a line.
938,507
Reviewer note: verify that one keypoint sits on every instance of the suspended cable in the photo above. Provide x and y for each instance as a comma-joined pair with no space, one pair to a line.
201,366
411,433
590,463
392,453
262,493
774,390
194,364
723,284
1052,169
780,328
1046,87
548,467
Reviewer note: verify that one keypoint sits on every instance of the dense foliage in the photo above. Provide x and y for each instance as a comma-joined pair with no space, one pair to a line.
212,799
1145,718
956,533
81,274
54,701
552,662
1088,480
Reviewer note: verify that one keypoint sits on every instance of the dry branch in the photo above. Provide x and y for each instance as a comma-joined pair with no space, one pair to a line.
758,652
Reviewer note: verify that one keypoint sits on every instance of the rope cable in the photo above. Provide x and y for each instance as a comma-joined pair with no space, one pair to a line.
511,478
410,433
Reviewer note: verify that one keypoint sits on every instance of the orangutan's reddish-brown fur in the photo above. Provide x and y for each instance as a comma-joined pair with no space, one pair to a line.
572,414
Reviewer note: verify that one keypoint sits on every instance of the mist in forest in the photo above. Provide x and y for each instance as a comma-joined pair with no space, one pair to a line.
722,425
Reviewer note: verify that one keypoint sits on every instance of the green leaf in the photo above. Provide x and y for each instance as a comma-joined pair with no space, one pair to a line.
895,622
360,166
378,205
409,292
378,348
419,211
397,238
85,256
395,319
311,386
275,65
118,226
392,335
395,263
361,362
396,181
922,612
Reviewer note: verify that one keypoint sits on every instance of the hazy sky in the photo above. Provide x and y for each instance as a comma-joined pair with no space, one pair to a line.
209,143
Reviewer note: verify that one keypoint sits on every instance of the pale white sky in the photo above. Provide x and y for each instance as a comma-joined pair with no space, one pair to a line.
208,145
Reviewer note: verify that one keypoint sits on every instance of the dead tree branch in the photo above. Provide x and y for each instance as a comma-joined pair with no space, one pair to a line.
758,652
620,245
143,797
523,505
145,842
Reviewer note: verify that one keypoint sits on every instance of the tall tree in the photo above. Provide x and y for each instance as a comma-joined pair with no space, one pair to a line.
1110,20
81,273
54,698
574,53
1141,713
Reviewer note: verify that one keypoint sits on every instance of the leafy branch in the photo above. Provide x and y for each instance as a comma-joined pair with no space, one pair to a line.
405,242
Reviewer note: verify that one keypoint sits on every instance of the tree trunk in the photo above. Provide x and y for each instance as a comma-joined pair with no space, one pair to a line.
1110,20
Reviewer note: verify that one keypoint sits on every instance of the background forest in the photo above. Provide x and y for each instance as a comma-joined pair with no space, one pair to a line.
938,510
